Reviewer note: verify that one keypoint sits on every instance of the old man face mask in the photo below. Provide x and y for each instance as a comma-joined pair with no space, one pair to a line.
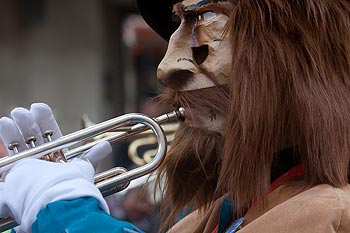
198,58
198,54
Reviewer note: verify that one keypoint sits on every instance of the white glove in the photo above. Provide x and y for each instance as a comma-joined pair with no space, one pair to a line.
28,123
33,123
32,183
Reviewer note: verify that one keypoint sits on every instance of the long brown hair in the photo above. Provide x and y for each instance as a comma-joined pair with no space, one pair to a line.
290,86
191,167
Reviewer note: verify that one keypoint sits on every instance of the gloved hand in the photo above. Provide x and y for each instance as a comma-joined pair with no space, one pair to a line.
32,183
33,123
27,123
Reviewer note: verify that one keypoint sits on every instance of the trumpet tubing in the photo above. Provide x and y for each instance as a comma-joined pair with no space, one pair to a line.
110,181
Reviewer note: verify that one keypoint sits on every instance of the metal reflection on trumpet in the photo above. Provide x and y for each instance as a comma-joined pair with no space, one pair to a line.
141,148
115,179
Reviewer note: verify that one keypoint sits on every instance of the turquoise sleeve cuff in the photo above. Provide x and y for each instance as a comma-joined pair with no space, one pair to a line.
79,216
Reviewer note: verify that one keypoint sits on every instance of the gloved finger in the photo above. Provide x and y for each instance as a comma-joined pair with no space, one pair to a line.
86,168
27,125
9,133
97,153
44,117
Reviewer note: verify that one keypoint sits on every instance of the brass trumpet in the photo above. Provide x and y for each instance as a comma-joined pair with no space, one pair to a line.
112,180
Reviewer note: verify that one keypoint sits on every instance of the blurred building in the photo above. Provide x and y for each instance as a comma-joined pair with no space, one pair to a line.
96,57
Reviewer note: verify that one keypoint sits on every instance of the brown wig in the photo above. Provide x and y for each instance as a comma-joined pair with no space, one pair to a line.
290,86
191,167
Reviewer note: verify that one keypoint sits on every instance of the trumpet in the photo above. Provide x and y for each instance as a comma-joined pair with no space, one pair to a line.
112,180
145,140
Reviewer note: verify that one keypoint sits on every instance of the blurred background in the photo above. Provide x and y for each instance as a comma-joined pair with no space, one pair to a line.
93,57
96,57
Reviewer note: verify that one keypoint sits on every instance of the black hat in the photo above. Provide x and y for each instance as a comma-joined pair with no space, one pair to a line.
158,15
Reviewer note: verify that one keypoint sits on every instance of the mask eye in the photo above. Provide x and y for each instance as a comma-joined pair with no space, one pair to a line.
205,16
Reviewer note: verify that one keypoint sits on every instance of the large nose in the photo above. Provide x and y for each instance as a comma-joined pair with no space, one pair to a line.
177,67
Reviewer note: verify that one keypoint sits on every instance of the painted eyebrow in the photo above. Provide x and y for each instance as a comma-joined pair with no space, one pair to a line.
193,7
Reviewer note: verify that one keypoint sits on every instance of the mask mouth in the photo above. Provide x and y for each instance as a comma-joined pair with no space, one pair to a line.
215,98
200,53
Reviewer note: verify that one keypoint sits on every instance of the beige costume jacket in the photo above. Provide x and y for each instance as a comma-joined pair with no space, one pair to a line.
321,209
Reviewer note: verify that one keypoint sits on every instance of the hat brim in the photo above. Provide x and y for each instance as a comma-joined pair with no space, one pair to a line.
158,15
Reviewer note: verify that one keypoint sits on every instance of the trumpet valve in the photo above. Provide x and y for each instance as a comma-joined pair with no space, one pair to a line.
14,147
47,134
31,141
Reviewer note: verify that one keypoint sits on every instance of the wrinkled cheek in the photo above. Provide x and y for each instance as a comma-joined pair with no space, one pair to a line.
212,52
210,31
218,63
205,34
